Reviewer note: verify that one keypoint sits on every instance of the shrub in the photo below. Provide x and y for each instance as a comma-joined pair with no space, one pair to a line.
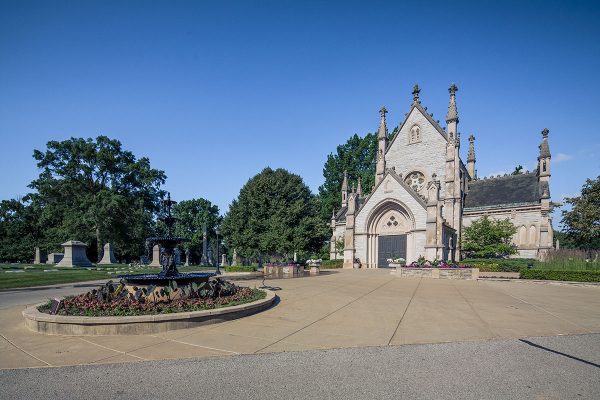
240,268
500,264
554,275
332,264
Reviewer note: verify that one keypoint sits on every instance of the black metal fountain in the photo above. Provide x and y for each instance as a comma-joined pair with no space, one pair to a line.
168,245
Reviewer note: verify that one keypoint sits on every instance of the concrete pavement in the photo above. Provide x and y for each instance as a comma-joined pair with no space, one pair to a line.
355,308
564,367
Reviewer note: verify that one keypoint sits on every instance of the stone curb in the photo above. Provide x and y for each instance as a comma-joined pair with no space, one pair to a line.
138,324
543,281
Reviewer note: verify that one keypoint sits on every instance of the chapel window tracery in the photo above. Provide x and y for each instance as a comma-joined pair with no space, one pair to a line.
415,134
415,180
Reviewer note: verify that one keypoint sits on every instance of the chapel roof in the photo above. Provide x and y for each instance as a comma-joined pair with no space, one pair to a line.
503,190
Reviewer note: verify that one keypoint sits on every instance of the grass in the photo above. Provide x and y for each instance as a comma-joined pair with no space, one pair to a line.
34,275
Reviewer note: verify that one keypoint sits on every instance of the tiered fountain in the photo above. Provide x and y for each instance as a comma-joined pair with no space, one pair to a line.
168,245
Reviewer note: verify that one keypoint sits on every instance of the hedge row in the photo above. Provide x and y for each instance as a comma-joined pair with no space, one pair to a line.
554,275
239,268
331,264
498,264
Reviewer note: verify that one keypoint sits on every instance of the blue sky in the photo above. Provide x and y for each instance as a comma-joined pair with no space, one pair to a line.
212,92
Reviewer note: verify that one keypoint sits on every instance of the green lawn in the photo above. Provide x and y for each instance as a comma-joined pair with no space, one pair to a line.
34,275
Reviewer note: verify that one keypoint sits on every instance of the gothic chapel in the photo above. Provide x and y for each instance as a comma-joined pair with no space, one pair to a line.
424,196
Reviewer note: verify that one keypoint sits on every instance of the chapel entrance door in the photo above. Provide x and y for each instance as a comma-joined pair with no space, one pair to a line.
390,246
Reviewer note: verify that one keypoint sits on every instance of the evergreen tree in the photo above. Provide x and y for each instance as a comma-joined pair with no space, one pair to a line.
274,215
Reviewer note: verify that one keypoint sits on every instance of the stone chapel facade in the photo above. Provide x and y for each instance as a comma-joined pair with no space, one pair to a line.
424,196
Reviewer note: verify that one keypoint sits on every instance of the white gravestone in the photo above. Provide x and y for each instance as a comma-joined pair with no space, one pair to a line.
109,255
155,256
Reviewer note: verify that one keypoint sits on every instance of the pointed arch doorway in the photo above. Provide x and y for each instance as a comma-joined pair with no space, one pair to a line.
390,234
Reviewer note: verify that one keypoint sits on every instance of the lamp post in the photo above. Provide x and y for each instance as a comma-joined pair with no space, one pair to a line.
218,271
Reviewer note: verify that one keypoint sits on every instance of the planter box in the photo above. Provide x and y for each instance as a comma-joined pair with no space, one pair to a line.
284,270
314,270
438,273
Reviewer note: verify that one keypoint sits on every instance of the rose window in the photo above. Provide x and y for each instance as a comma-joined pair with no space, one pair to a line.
415,180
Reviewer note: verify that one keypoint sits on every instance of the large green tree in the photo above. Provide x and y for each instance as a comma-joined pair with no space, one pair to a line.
20,230
95,191
487,237
274,215
582,222
191,216
358,157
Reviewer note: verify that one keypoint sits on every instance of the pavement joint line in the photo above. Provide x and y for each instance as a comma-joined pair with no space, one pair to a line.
405,310
487,325
329,314
548,312
204,347
111,349
25,351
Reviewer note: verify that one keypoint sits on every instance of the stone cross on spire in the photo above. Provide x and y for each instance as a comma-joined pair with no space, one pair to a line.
471,155
415,93
452,115
382,134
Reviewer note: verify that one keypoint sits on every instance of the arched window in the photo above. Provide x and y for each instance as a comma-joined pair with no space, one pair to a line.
522,235
415,134
532,235
415,180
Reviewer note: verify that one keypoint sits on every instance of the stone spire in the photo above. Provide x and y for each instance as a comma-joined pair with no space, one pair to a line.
471,157
345,190
452,115
415,93
359,188
544,148
544,158
382,134
382,140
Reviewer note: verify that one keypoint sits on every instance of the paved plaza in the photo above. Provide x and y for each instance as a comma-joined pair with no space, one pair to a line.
338,309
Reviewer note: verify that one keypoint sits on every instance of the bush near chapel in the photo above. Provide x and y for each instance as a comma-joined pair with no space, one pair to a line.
486,238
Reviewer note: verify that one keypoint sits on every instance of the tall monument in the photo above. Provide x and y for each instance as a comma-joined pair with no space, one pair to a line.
205,260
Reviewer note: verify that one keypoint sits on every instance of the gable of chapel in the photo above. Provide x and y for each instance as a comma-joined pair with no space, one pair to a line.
419,147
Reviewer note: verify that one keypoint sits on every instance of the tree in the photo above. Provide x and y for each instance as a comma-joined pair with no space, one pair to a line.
518,170
191,216
582,222
488,237
274,215
19,230
358,157
94,191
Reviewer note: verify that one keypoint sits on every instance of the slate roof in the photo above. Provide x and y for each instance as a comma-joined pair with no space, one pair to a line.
503,190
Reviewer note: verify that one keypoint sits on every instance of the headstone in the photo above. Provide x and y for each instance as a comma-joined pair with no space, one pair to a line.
177,256
54,258
187,258
155,256
40,256
75,256
205,257
223,260
109,256
234,261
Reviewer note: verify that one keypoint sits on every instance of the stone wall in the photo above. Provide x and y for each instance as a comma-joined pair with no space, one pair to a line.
438,273
526,219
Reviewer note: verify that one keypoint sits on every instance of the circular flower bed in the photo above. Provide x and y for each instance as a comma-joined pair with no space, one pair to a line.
119,300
